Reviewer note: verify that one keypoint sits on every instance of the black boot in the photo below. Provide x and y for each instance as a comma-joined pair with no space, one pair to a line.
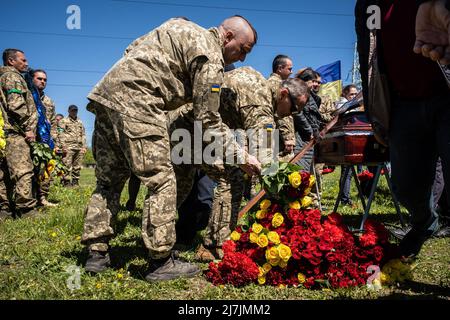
170,268
97,261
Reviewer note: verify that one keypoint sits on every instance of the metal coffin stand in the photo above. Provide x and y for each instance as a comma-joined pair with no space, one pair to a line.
351,142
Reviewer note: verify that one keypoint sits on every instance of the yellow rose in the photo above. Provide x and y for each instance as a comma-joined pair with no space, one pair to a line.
307,190
267,267
235,236
261,280
272,253
277,220
282,264
301,278
2,144
284,251
262,272
294,205
253,237
257,228
265,204
312,180
262,241
51,166
274,237
261,214
306,201
295,179
274,262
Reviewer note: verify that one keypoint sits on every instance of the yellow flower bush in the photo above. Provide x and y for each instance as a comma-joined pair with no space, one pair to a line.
295,179
277,220
395,271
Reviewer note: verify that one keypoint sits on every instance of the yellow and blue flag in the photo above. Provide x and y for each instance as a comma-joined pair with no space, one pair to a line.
331,80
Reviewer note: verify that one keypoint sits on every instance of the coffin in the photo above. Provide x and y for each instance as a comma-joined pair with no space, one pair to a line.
351,141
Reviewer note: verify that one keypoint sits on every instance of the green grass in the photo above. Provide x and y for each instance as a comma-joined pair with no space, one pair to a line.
35,254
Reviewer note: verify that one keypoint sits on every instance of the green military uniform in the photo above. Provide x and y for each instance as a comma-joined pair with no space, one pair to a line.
286,124
50,113
160,72
73,140
247,102
17,171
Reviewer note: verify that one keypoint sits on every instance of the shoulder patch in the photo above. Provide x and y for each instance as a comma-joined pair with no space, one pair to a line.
215,88
14,91
268,127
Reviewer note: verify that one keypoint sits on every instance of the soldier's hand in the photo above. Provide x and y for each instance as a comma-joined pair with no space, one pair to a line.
252,166
29,136
83,150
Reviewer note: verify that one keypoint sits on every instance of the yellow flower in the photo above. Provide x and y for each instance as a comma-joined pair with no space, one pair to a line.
282,264
253,237
274,237
274,262
98,285
301,278
261,280
235,236
257,228
272,253
277,220
284,251
267,267
312,180
261,214
119,276
262,241
262,272
282,286
306,201
265,204
51,166
2,144
294,205
295,179
53,234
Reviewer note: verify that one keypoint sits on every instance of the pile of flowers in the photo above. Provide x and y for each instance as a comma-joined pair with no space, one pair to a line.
287,242
365,175
46,162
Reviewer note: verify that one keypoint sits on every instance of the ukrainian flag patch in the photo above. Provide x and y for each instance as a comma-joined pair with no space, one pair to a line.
215,88
269,127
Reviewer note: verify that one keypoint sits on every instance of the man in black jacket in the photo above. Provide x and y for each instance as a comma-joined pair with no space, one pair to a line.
417,123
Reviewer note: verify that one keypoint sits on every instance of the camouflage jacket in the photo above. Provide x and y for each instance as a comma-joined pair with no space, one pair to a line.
50,113
72,135
20,108
177,63
285,125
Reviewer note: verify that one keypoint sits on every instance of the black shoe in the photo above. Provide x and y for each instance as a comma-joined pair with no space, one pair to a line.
97,262
170,268
412,243
443,232
399,233
130,206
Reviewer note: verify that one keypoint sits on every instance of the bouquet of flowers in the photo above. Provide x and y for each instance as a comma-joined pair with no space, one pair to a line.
366,175
2,137
46,162
287,242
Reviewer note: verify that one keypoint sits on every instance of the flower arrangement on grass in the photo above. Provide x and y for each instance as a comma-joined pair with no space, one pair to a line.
286,242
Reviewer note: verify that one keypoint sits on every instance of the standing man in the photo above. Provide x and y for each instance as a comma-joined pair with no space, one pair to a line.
177,63
281,70
17,171
39,77
73,141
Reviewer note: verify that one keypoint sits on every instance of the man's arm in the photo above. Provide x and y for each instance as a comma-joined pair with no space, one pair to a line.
287,132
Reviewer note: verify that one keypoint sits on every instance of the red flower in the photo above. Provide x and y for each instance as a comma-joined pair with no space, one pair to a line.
365,176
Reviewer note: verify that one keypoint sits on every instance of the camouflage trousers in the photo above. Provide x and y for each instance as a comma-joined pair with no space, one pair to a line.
72,160
121,144
16,175
226,201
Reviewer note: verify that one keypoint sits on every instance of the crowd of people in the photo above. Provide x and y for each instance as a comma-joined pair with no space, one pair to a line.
164,83
30,116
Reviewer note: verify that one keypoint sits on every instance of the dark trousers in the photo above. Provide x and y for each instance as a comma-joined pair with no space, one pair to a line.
345,182
419,134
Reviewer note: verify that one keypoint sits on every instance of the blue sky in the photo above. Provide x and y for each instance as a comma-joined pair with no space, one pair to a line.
313,33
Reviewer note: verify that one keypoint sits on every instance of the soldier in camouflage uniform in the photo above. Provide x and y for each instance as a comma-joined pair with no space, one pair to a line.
17,171
72,138
40,82
177,63
248,102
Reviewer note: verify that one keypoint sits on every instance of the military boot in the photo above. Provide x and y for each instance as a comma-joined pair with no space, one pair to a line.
205,254
170,268
45,203
6,214
97,261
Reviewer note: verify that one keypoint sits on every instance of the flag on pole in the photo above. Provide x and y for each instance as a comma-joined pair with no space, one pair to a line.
331,80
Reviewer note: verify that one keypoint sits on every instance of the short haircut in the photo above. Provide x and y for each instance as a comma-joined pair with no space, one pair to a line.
8,54
32,72
255,34
59,115
296,87
306,74
280,60
347,89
